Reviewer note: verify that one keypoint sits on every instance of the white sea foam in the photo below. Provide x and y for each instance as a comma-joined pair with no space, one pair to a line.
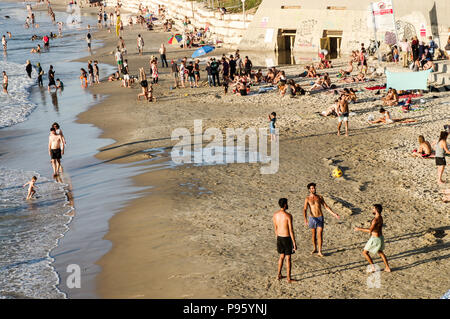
29,230
15,106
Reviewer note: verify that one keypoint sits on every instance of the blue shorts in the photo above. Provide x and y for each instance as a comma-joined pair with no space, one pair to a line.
315,222
272,131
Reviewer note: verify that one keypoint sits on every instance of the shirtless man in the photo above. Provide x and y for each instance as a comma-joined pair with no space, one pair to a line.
316,221
349,70
376,241
55,150
284,232
5,82
342,113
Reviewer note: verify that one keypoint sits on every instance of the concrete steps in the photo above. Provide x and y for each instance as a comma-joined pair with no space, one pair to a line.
441,75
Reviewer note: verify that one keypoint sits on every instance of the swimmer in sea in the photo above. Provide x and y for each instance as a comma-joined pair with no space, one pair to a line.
5,82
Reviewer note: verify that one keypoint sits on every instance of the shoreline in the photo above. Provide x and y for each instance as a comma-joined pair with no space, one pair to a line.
176,241
139,275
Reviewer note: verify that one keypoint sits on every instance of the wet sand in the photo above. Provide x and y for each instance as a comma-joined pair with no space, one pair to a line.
180,241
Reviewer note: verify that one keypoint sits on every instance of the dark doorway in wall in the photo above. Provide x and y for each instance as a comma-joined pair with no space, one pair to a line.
285,46
331,41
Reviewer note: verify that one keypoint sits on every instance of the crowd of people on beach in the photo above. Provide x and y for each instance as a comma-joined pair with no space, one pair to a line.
237,75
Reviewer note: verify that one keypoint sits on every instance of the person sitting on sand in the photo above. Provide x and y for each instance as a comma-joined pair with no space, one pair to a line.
318,84
347,71
386,118
428,65
425,150
241,89
257,77
281,77
282,88
270,76
114,77
332,110
311,72
391,98
31,188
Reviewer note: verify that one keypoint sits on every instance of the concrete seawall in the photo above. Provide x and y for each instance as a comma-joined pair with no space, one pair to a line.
229,30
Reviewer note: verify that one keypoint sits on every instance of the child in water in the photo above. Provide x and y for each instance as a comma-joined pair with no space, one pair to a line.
31,188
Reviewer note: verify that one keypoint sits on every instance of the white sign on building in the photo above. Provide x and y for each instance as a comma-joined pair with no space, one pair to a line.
383,15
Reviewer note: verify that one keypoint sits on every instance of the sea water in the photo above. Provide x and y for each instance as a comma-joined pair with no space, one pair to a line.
29,230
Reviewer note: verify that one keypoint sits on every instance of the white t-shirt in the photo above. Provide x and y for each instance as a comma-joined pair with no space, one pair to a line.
118,56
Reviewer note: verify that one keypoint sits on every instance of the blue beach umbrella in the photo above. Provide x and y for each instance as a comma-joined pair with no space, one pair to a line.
202,51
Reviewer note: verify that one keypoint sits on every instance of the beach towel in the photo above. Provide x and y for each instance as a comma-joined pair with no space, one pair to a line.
407,80
406,96
378,87
266,89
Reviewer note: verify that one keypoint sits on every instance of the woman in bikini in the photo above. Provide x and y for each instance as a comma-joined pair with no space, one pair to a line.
386,119
391,98
425,150
83,78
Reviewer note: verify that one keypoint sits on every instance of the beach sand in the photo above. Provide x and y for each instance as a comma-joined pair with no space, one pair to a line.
206,231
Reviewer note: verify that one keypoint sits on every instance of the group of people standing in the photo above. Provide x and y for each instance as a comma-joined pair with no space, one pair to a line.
285,237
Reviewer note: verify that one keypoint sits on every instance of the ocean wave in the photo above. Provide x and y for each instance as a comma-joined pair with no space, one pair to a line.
29,230
15,106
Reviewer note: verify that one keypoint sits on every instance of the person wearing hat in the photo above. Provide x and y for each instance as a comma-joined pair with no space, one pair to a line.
29,68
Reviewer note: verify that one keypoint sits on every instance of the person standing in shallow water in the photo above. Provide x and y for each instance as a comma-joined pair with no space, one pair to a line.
29,68
376,241
55,150
284,232
316,221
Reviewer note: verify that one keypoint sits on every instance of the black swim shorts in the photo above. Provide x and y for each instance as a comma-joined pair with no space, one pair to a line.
55,153
284,245
440,161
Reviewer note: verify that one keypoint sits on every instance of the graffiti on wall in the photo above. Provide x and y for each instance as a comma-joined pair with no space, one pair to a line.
307,27
305,33
359,25
405,30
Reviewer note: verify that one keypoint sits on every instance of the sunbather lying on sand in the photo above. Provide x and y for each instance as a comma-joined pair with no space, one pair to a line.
351,79
386,119
323,82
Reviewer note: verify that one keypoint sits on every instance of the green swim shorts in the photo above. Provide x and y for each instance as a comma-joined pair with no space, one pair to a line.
375,244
